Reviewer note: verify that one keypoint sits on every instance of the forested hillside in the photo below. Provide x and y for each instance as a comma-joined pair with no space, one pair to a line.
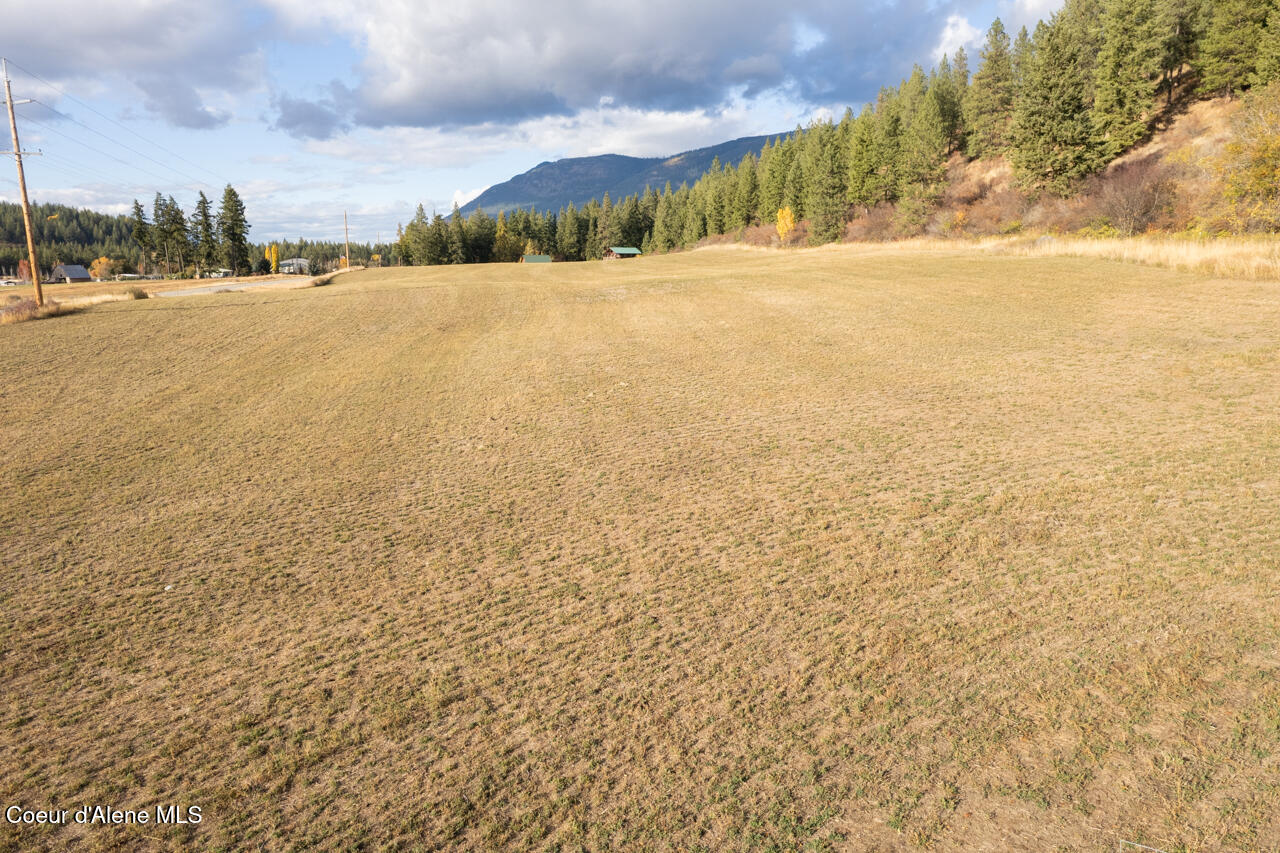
64,235
1058,105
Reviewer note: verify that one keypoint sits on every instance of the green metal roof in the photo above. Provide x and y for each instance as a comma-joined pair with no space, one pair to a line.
537,259
624,250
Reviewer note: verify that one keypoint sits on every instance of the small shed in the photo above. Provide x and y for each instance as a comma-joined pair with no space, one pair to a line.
621,252
535,259
295,266
69,273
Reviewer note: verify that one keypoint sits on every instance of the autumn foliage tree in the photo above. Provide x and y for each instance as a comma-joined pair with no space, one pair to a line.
104,268
786,223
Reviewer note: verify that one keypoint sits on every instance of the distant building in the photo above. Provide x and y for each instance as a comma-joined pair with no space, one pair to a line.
295,266
69,273
621,252
535,259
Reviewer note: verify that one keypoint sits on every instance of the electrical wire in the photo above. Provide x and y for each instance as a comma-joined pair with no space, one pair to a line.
98,151
122,145
125,128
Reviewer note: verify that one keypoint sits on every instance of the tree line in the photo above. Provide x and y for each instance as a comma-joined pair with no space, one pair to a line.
1060,103
63,235
204,240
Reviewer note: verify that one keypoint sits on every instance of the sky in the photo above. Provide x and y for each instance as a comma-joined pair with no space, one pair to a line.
314,107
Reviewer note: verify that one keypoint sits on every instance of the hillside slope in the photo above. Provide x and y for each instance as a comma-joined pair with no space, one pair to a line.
551,186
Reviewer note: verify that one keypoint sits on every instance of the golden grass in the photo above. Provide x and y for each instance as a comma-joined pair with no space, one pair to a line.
831,550
1238,257
24,310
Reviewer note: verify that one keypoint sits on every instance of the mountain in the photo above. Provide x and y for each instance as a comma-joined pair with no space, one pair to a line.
551,186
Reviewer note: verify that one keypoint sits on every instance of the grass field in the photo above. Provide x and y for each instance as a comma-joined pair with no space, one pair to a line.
843,549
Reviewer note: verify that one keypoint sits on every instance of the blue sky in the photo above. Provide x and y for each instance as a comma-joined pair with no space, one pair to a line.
310,107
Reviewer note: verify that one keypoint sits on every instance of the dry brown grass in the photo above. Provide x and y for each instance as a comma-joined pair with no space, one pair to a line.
1238,257
24,310
726,550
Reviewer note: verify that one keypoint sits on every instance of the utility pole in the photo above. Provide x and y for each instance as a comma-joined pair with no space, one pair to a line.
22,184
347,238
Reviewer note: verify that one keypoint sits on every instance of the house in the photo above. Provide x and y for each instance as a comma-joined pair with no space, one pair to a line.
70,272
535,259
621,252
295,266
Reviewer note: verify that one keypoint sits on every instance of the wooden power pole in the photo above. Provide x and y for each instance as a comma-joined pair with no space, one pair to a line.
346,233
22,185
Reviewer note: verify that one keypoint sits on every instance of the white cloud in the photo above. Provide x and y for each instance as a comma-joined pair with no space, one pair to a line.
175,52
957,33
439,63
600,130
1017,14
805,37
460,197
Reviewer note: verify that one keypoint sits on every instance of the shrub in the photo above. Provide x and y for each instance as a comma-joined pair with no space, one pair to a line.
1133,196
136,292
875,226
26,309
914,210
1250,166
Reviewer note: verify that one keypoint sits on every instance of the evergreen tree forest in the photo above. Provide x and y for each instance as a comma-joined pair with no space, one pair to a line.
164,240
63,235
1059,103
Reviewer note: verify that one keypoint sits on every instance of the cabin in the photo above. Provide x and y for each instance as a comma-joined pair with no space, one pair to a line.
295,266
618,252
69,273
535,259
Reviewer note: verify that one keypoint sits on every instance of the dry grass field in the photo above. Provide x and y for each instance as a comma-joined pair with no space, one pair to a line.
844,549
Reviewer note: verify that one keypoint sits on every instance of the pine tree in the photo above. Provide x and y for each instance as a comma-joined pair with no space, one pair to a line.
662,239
141,230
1127,73
863,186
593,244
960,82
1267,69
1053,138
568,237
794,189
1183,23
746,194
824,184
776,166
1230,47
1080,22
436,244
1021,59
887,143
481,230
604,224
923,151
171,229
988,104
942,88
456,245
233,232
506,245
202,235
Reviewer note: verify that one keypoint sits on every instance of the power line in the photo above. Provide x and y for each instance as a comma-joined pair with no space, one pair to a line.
22,187
99,151
126,147
69,97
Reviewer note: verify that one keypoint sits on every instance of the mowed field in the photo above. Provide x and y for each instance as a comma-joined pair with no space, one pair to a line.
845,549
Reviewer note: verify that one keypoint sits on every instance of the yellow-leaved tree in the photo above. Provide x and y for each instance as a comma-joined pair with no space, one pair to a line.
786,223
103,268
